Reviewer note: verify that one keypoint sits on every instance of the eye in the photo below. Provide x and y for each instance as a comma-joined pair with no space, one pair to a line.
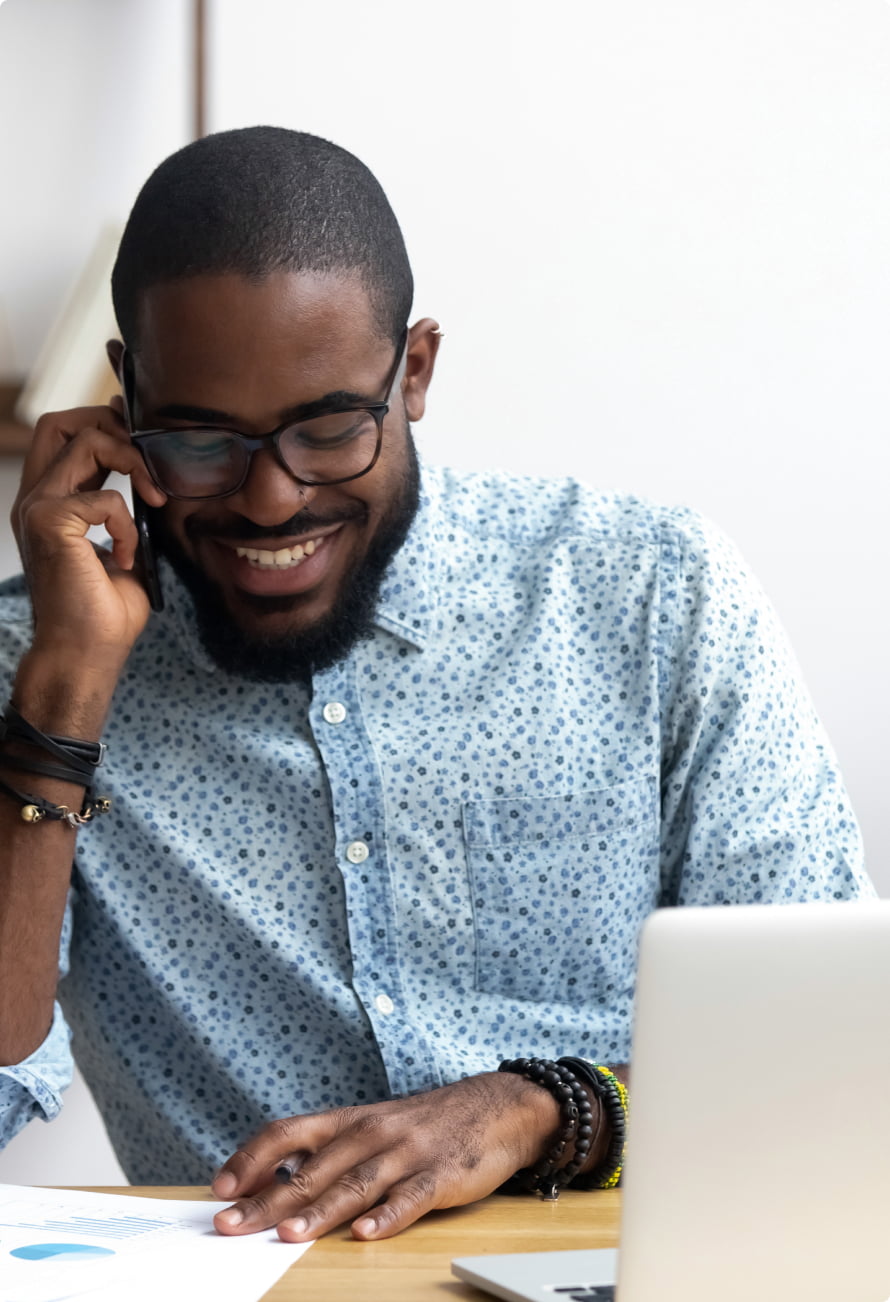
323,433
197,444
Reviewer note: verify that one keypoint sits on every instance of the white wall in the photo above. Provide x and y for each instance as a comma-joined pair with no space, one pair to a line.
655,235
93,94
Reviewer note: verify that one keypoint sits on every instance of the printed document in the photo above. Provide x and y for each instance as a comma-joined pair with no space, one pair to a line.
57,1244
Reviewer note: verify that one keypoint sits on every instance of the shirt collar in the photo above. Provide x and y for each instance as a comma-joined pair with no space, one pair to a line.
409,592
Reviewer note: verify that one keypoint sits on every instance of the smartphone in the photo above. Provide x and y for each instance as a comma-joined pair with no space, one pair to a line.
146,561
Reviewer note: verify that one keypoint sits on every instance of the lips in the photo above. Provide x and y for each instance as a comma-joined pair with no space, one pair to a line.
281,570
284,558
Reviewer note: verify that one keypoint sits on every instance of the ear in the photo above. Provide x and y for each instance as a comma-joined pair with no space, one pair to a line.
420,361
114,350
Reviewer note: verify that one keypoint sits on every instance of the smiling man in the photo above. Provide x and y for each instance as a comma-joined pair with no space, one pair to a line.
284,571
400,767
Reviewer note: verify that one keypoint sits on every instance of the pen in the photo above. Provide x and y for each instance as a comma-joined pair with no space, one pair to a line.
286,1170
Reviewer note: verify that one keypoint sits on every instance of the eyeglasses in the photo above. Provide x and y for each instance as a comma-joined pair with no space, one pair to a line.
331,448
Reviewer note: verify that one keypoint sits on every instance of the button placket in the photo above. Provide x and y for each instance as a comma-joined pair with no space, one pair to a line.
359,807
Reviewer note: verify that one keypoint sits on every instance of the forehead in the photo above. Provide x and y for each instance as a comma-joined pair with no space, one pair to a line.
213,325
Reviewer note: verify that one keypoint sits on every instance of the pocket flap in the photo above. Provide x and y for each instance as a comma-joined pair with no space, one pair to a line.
573,816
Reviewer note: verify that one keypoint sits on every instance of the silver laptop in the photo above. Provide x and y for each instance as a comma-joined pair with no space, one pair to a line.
759,1159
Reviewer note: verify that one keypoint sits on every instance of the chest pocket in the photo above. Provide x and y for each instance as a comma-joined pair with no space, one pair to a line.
560,887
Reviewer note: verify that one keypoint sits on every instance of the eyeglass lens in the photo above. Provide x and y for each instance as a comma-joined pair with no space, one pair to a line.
212,462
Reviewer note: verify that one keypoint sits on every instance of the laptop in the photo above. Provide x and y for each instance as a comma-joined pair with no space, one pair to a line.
759,1143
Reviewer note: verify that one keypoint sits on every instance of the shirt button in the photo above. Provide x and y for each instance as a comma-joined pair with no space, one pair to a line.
357,852
334,712
384,1004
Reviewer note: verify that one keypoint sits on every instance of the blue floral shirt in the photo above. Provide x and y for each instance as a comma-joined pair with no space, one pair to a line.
574,708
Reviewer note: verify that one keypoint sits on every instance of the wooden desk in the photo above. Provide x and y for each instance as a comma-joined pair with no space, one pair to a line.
416,1265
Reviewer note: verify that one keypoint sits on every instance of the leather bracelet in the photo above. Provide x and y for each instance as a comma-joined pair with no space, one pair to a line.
546,1177
66,774
34,809
612,1095
13,726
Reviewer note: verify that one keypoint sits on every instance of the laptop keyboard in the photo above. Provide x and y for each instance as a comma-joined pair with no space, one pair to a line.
586,1292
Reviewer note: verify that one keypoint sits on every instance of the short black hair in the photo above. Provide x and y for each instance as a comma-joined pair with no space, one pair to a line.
258,200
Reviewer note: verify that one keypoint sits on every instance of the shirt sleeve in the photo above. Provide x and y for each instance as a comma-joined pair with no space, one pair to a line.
33,1088
754,809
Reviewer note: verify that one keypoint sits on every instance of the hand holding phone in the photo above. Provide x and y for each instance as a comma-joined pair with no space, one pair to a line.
146,561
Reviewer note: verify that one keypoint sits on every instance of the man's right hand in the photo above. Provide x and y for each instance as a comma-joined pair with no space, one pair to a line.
87,601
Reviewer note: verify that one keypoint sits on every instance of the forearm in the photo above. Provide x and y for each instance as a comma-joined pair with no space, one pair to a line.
36,859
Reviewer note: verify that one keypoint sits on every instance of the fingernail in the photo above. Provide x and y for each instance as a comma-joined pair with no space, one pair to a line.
224,1184
367,1227
231,1217
297,1224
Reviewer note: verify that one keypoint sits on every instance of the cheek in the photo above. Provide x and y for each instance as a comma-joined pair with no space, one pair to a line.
172,520
386,481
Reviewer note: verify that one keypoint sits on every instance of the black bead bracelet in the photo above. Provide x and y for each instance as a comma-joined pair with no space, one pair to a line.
612,1096
546,1177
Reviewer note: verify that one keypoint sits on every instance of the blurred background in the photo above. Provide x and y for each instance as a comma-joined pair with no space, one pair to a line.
654,233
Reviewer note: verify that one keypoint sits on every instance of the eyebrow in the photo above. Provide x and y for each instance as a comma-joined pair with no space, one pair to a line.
334,401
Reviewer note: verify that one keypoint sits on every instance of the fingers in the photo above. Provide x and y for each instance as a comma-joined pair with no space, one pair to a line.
369,1193
404,1205
82,463
254,1164
383,1165
334,1162
74,451
56,429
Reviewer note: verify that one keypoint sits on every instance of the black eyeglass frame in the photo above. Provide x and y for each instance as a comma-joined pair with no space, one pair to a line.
255,442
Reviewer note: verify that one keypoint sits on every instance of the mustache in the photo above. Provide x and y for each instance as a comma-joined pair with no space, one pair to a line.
242,529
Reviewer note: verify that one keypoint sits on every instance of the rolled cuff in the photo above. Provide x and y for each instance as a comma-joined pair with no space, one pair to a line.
33,1088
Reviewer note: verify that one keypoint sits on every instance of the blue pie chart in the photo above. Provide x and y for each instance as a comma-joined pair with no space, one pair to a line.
60,1252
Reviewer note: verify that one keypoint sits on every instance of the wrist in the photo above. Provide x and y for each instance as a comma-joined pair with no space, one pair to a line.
73,700
534,1114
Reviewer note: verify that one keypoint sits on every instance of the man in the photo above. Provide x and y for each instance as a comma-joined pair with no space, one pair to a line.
405,761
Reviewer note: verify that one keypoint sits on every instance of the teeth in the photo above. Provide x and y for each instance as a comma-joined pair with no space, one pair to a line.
283,559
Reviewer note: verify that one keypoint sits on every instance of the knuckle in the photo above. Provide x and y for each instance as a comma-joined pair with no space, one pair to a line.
241,1161
343,1118
300,1185
260,1206
279,1131
364,1123
359,1181
421,1190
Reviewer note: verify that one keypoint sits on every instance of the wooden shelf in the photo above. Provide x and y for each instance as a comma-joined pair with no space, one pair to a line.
15,438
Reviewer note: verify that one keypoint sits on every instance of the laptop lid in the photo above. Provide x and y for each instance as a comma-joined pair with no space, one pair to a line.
759,1153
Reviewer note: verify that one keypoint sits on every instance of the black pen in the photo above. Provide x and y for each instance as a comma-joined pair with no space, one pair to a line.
285,1171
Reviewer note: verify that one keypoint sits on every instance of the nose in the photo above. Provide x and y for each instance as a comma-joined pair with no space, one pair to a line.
270,494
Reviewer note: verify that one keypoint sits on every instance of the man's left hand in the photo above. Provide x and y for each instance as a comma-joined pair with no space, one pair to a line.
383,1165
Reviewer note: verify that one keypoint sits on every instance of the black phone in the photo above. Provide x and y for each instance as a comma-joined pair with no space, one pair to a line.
146,561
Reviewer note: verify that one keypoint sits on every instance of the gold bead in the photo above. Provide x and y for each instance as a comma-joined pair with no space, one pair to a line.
31,814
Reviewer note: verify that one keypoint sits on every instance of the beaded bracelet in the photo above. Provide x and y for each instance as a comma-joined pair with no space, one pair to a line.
545,1177
612,1094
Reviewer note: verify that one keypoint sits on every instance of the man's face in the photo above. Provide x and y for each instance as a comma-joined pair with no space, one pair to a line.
241,354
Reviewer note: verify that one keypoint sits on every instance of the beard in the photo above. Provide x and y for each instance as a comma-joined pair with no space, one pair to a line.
293,655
